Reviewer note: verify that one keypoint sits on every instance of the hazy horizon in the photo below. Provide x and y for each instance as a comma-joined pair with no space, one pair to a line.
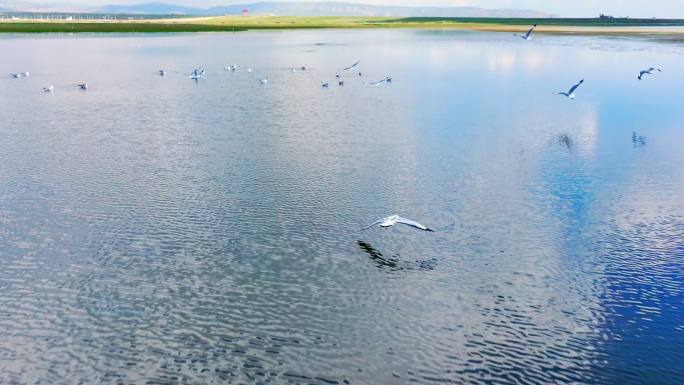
579,8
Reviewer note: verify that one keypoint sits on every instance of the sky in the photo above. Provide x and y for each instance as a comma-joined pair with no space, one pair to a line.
567,8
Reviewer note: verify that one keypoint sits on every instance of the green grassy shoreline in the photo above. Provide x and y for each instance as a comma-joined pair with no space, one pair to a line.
239,23
133,27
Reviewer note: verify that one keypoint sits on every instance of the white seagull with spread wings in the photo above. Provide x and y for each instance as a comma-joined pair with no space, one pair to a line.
528,35
351,67
393,220
649,71
571,92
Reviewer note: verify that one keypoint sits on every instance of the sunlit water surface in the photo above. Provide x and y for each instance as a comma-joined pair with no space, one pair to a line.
161,230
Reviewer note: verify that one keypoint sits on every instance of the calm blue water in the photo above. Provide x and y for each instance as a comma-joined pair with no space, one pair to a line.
160,230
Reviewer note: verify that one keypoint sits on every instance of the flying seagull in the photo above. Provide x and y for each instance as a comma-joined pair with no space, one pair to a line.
324,84
649,71
571,92
351,67
393,220
528,35
375,84
340,83
83,86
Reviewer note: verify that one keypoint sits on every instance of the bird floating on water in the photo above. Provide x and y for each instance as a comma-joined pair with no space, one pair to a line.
162,73
21,75
649,71
196,73
528,35
232,67
249,70
49,88
83,86
263,81
571,92
394,219
324,84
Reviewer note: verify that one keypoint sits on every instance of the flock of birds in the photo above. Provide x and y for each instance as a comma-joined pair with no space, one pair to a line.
570,94
50,88
392,220
199,72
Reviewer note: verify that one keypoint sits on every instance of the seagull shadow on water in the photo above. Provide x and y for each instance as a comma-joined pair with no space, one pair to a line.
638,141
393,263
564,140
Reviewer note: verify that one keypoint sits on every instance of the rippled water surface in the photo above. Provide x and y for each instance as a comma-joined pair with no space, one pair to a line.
161,230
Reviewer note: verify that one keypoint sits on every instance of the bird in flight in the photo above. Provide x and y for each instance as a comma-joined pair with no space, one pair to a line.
393,220
571,92
351,67
649,71
375,84
528,35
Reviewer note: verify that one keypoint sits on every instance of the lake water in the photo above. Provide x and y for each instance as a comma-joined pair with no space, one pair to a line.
162,230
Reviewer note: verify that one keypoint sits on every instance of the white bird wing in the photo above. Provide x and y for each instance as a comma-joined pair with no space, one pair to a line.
573,88
379,221
412,224
351,67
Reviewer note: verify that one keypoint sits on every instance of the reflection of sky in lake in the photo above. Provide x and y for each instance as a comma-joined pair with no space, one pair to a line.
157,227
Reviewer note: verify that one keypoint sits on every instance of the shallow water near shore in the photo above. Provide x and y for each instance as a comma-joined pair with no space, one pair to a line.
164,230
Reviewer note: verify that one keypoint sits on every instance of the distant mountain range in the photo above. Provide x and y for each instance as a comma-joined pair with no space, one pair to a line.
280,9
